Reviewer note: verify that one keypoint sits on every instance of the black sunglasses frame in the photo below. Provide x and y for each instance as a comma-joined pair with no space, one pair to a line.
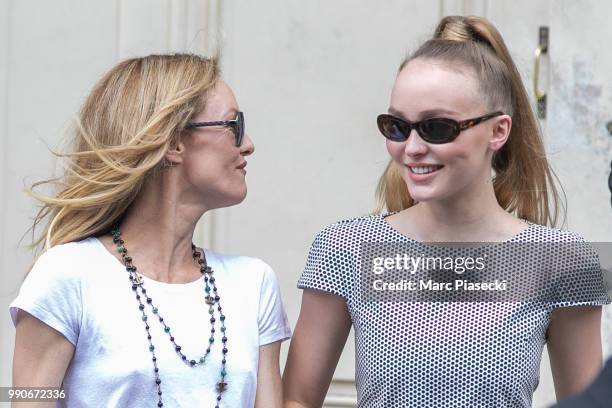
237,126
455,127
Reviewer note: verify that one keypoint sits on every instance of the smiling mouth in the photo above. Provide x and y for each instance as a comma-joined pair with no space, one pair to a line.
424,169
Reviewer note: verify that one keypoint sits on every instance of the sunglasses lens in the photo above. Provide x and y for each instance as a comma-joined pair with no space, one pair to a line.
437,131
238,128
241,127
393,128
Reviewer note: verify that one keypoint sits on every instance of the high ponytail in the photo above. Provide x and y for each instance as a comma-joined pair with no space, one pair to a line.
524,182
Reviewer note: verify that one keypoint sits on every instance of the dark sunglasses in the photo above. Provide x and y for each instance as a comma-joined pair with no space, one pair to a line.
236,125
433,130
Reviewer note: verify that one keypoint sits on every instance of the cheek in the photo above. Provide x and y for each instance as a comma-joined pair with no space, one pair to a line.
396,150
452,155
472,151
465,160
460,152
212,155
204,167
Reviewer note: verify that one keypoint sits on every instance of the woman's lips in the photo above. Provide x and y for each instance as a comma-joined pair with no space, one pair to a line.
417,174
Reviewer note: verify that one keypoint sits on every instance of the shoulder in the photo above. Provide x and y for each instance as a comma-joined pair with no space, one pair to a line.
249,276
240,267
72,249
69,259
351,231
53,291
543,233
61,273
235,261
565,249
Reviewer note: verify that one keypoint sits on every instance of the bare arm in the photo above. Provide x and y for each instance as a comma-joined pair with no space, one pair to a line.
574,347
318,340
41,357
269,386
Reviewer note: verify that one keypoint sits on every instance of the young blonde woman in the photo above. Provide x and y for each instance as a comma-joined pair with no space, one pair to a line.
121,309
458,111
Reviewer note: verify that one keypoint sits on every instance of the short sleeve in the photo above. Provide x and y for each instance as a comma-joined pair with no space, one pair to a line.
52,295
272,319
581,280
329,264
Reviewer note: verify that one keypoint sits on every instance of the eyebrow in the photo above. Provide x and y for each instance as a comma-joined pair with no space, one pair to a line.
424,114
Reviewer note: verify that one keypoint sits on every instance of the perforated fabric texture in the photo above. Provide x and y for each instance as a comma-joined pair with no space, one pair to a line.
441,354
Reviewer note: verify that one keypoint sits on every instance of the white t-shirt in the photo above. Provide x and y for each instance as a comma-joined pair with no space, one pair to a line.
83,291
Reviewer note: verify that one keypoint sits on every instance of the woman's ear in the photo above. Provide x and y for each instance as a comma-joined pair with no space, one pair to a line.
174,155
501,132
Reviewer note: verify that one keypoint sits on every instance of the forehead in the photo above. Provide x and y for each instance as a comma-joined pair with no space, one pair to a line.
425,85
220,100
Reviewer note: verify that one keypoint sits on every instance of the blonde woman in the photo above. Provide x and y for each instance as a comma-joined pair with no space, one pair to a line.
458,112
121,309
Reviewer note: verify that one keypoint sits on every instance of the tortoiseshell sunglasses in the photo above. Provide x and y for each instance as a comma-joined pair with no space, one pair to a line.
432,130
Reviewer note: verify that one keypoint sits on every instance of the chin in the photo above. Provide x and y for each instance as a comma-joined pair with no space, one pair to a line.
423,194
422,198
226,198
237,196
433,191
433,195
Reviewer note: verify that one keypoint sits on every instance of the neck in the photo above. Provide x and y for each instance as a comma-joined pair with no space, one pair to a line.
158,232
472,213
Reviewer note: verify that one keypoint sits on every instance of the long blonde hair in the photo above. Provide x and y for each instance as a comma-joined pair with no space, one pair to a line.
133,115
524,182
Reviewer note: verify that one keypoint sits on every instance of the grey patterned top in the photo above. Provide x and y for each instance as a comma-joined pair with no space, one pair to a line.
444,354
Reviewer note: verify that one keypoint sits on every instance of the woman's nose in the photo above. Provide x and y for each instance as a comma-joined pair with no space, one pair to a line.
247,147
415,145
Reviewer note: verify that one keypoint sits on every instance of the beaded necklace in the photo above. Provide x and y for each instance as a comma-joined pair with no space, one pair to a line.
211,300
